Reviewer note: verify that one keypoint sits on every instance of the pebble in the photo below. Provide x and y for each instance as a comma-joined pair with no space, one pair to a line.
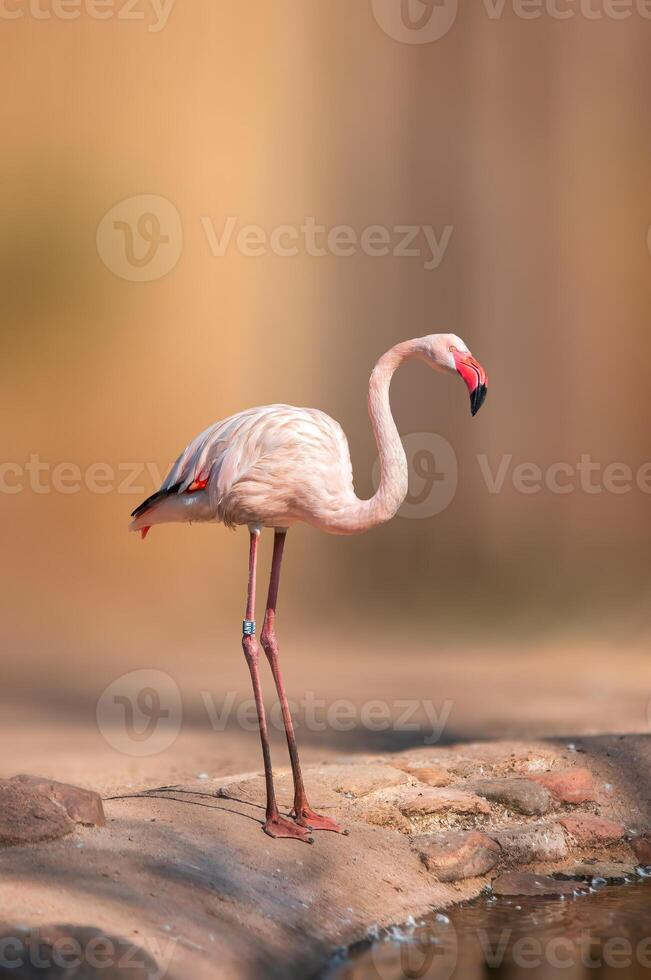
568,785
455,855
519,794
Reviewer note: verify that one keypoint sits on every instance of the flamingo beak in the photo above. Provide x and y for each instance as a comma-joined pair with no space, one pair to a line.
475,377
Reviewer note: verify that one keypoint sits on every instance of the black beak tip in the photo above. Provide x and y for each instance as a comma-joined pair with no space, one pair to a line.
477,398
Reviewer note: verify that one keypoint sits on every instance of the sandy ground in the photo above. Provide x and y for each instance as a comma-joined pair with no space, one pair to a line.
169,876
185,876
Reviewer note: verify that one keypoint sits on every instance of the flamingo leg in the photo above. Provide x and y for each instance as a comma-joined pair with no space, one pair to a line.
303,813
275,825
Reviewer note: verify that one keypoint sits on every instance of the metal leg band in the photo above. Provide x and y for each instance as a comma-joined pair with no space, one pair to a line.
248,627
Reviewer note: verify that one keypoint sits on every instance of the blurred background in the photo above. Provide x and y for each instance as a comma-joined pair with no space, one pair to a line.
508,156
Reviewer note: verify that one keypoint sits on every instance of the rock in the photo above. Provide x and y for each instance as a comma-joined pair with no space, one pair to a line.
523,883
588,829
29,817
608,872
642,849
417,802
519,794
382,815
534,762
465,768
503,758
431,775
356,781
568,785
84,806
409,808
455,856
525,843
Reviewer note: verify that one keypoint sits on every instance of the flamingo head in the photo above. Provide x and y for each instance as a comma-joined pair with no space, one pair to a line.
446,352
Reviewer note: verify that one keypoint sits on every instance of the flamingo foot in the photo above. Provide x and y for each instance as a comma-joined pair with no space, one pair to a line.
306,817
280,827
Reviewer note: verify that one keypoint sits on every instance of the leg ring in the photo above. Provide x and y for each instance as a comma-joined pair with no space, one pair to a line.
248,627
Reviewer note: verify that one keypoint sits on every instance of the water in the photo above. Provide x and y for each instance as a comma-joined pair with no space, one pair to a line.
604,935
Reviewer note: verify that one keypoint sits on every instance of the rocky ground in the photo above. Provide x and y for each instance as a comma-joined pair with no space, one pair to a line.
180,880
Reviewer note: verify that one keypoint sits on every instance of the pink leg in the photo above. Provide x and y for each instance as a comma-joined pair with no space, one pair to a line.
275,825
304,814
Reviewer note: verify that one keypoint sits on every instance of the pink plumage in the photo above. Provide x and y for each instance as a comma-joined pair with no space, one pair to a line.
278,465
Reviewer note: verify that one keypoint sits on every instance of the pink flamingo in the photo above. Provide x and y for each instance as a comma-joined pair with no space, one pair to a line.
276,466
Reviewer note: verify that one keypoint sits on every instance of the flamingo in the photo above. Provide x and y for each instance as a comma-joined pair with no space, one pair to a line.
275,466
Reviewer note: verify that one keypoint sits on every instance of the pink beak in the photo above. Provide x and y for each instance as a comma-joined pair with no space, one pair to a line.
475,377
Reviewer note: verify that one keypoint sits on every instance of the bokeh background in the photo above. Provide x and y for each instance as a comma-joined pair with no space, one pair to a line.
530,139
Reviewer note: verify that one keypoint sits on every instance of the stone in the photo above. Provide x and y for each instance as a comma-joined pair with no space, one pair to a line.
382,815
518,883
431,775
437,800
29,817
83,806
454,856
589,829
360,780
568,785
525,843
642,849
519,794
610,872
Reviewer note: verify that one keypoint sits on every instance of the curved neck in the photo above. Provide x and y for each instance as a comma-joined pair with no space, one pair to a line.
394,477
